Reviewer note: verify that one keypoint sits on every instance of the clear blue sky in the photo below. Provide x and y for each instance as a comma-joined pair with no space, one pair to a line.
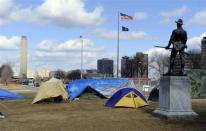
59,22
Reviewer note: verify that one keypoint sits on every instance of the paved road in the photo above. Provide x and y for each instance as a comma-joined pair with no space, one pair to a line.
23,89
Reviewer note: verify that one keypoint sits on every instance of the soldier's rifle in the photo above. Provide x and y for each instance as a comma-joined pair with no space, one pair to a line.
169,49
161,47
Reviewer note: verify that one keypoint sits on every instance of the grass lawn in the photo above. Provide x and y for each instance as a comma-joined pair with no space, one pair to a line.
91,115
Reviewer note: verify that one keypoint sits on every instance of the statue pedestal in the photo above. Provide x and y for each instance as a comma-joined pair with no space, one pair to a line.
175,98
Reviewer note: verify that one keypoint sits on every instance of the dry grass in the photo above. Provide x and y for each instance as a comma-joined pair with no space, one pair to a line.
91,115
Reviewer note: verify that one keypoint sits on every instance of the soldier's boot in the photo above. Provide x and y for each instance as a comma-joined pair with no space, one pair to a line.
170,70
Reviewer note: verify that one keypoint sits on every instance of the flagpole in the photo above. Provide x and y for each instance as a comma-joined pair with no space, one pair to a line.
118,48
81,56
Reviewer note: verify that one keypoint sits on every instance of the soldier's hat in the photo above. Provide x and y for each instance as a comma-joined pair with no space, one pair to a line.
180,21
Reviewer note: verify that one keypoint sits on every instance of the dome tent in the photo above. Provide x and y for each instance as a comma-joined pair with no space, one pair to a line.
127,97
51,89
154,95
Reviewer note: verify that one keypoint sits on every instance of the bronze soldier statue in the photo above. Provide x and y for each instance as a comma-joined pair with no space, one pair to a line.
178,39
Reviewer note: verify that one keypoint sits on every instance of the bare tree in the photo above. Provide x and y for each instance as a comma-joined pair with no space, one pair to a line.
6,73
158,65
142,69
60,74
140,65
73,75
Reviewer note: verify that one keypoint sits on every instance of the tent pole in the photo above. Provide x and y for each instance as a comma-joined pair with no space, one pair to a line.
134,101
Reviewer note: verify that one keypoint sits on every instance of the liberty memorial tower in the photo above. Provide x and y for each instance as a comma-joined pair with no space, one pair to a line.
23,57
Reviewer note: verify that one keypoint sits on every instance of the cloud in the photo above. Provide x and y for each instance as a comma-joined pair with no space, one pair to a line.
4,10
65,13
68,46
168,15
67,54
141,16
53,55
11,43
5,6
156,51
112,34
199,18
195,42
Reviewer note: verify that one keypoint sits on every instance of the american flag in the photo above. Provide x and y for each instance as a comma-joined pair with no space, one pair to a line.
126,17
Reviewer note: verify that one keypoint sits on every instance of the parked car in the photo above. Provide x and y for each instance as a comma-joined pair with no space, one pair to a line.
31,82
25,82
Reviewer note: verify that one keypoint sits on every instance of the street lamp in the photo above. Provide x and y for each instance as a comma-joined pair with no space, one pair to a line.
82,47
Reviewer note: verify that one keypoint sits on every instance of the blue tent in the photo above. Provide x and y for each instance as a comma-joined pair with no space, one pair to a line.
4,95
127,97
103,87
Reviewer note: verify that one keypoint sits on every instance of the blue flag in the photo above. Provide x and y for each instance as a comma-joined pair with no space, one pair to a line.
125,28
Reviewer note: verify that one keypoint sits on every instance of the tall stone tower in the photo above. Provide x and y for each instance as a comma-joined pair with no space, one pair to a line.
203,53
23,57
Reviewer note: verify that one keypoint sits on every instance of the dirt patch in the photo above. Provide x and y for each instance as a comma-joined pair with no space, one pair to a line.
91,115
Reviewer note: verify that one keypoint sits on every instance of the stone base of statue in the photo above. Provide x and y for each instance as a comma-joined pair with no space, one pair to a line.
175,98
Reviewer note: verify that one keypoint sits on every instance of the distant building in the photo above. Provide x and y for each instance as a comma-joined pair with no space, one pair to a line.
92,73
23,57
203,53
30,74
52,74
135,67
124,66
43,74
105,67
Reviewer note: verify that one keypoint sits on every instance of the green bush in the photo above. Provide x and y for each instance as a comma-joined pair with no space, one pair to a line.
198,83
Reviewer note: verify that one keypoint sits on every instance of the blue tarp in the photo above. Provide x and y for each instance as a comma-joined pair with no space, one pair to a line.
4,95
106,87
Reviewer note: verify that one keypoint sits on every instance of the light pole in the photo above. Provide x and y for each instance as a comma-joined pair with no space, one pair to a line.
82,47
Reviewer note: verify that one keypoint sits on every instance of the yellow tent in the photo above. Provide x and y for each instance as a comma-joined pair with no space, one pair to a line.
51,89
131,100
127,97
